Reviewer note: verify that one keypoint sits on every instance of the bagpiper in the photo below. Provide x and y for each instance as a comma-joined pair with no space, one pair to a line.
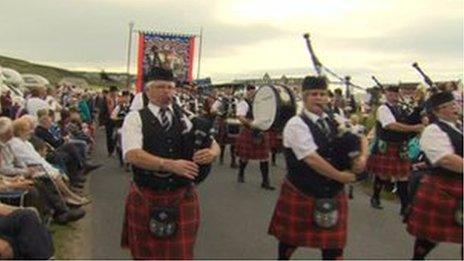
312,209
436,209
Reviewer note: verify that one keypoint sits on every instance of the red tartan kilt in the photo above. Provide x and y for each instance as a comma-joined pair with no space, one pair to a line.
245,148
432,210
389,165
292,221
137,237
275,140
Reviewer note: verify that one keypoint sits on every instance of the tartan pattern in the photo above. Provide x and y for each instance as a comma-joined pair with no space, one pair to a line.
389,165
246,149
292,221
137,237
221,136
432,210
275,140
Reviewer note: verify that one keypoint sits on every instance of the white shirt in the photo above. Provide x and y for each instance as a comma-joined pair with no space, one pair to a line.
132,137
298,136
25,152
242,108
137,102
435,143
385,115
34,104
216,104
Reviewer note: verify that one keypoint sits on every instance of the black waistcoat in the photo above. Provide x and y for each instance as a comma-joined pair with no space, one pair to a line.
249,114
456,141
305,178
171,144
389,135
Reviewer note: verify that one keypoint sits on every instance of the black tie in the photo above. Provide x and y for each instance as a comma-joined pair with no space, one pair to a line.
322,125
165,124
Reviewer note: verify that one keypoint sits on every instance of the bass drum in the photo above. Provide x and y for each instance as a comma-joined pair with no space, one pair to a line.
273,106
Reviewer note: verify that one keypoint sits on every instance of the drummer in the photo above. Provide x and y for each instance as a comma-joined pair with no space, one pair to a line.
312,209
223,108
251,144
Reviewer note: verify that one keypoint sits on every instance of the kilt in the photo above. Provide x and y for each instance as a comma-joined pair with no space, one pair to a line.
137,237
275,140
292,221
432,210
246,149
221,137
389,165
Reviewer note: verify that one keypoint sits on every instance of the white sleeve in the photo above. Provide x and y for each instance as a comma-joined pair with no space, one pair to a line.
298,137
385,116
137,102
131,134
114,113
242,108
435,143
215,105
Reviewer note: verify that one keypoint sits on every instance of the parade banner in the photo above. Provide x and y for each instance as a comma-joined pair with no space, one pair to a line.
165,50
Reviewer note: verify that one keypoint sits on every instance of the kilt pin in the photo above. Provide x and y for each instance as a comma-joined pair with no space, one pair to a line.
246,149
432,210
136,234
292,221
389,165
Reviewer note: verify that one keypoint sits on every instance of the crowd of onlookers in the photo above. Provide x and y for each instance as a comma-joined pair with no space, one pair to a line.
46,143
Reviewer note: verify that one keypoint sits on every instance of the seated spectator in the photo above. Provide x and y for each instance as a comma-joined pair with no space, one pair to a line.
22,235
25,152
13,168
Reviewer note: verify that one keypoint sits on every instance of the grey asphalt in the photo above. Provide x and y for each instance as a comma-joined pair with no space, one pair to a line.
235,218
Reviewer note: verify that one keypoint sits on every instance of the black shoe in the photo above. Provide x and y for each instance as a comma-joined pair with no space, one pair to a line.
266,186
241,179
90,167
233,165
70,216
375,203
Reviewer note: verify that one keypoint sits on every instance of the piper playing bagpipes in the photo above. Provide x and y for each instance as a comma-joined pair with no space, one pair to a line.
389,158
312,209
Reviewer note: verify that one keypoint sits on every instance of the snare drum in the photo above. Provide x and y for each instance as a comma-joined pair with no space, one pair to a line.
273,106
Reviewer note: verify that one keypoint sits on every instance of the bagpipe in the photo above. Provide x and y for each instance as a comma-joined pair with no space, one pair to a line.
346,143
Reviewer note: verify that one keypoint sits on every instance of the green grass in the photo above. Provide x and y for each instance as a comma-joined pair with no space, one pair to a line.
54,74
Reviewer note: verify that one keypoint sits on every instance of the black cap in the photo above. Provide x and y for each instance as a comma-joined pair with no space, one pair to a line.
314,83
438,99
392,88
160,74
250,87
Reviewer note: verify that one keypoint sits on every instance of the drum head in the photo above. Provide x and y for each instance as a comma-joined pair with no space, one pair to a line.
265,107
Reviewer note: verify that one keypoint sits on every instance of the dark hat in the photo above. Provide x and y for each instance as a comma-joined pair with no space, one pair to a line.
438,99
250,87
392,88
314,83
160,74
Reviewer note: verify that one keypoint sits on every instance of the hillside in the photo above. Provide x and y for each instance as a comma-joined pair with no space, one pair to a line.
54,74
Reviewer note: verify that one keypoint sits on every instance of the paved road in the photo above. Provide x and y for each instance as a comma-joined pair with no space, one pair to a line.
235,218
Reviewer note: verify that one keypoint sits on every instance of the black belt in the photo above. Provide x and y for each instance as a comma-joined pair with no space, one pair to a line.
147,179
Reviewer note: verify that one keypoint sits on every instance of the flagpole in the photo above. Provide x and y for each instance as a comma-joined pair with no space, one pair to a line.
199,52
131,27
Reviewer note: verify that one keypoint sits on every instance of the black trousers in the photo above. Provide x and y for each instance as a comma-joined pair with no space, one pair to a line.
110,142
28,237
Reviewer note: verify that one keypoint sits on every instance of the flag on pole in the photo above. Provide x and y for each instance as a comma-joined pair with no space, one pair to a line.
165,50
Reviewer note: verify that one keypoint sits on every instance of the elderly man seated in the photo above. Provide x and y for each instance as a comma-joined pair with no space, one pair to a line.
26,153
12,168
22,235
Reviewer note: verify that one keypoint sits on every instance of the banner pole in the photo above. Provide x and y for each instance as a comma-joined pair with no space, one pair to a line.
129,47
199,52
